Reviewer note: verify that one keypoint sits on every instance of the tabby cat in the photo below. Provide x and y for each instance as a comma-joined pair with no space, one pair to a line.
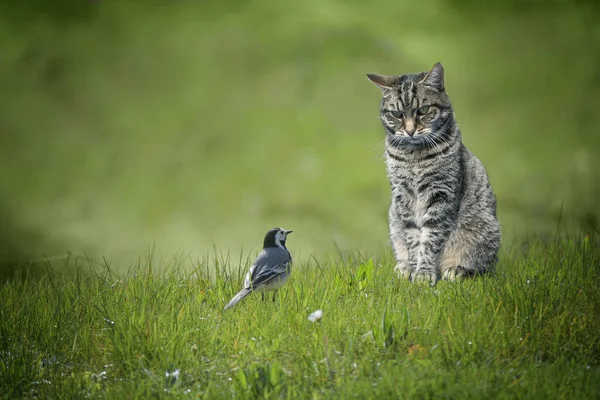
442,218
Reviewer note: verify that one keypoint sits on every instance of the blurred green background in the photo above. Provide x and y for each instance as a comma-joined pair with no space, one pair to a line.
191,124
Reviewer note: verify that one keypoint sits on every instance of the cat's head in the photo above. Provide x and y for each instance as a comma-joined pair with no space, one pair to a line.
415,109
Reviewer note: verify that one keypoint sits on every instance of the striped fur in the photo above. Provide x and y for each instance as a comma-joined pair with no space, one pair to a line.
442,218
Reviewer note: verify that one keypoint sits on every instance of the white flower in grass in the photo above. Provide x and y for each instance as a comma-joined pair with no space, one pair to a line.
316,316
171,377
174,374
100,376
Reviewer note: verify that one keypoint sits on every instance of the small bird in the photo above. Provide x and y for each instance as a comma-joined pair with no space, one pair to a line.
271,268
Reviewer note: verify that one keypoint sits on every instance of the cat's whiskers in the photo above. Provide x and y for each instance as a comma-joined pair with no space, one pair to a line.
428,141
396,140
431,140
444,141
439,145
380,147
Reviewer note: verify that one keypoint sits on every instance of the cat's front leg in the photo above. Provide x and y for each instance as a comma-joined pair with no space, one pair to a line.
406,250
405,241
435,212
402,266
434,233
430,248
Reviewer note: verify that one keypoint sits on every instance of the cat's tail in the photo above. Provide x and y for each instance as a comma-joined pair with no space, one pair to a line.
237,298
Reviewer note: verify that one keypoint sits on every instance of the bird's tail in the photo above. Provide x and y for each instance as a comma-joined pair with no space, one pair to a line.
237,298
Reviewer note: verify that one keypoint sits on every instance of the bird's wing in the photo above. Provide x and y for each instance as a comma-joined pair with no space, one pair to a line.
248,279
269,264
266,274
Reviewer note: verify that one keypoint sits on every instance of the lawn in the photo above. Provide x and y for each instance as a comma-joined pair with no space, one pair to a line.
530,330
191,128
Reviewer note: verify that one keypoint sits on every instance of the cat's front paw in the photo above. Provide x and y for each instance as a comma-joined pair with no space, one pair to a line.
425,276
403,270
454,274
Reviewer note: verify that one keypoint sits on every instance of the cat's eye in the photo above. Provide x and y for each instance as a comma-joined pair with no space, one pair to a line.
397,114
423,110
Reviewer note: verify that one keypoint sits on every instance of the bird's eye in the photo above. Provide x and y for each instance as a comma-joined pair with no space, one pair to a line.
397,114
423,110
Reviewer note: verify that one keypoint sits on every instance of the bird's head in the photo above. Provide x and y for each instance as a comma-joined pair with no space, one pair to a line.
276,238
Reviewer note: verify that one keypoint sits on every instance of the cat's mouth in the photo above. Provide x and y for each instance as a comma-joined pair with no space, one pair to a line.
406,135
401,140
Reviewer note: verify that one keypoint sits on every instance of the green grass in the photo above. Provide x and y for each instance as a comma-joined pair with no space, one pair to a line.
531,330
187,124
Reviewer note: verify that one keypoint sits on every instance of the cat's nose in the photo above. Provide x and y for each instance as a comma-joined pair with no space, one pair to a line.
410,126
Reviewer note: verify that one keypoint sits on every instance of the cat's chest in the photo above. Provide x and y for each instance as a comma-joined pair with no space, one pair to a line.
409,194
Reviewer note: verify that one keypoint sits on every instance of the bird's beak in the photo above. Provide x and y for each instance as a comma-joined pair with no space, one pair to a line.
288,232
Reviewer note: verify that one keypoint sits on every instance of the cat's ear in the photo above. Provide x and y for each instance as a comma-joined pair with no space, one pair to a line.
435,77
381,81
